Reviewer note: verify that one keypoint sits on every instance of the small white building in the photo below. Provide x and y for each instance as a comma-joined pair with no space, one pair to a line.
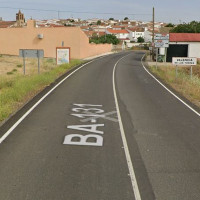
120,34
135,33
183,45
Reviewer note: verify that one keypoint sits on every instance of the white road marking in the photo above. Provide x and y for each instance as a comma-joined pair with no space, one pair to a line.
169,90
35,105
126,149
103,116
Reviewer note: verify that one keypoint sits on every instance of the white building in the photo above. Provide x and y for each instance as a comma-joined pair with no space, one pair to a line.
183,45
120,34
135,33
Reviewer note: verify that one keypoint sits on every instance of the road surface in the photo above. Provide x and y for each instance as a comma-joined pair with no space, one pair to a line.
108,132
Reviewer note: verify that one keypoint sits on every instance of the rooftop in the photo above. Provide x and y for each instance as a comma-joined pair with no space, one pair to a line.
184,37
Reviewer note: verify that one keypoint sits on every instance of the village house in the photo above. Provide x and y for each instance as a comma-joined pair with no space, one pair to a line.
120,34
135,33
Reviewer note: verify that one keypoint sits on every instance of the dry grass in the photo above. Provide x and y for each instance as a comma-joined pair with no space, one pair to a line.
16,89
12,65
184,84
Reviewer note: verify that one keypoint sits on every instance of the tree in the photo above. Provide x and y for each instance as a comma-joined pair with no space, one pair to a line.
140,39
111,18
109,39
170,25
126,18
99,22
192,27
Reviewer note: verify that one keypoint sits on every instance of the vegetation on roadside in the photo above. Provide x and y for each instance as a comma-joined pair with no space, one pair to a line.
140,47
109,39
15,91
183,83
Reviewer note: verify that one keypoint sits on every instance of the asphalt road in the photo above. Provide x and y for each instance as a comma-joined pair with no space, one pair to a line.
71,146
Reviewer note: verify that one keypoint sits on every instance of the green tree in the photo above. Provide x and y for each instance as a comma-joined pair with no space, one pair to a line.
109,39
192,27
99,22
126,18
140,39
111,18
170,25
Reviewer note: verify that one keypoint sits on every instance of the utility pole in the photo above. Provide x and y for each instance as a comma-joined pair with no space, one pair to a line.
58,14
153,41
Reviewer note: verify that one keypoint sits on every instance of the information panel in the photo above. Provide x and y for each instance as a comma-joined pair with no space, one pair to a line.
184,61
62,55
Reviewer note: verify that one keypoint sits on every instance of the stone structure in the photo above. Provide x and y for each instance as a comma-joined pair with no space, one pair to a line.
20,19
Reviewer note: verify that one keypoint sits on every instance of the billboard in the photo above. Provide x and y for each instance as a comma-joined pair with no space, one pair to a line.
62,55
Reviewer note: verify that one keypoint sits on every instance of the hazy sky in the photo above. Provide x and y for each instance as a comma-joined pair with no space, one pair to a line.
174,11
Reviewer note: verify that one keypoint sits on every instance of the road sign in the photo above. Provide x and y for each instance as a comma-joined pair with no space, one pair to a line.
162,43
161,37
31,53
184,61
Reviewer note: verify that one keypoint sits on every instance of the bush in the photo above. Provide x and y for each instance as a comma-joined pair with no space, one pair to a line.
19,66
140,40
109,39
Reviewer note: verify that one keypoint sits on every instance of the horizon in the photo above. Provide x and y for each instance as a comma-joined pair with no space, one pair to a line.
175,12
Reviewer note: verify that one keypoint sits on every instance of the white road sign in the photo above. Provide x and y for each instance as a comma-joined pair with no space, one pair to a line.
161,37
184,61
161,43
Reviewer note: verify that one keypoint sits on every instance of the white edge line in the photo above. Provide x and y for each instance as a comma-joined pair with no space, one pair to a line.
38,102
123,136
169,90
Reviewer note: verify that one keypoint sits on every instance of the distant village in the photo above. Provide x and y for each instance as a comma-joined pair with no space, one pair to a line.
81,36
125,30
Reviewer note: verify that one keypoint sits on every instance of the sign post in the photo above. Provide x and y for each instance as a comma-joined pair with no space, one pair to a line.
162,41
31,53
184,61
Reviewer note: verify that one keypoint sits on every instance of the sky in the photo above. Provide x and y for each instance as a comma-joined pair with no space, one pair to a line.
170,11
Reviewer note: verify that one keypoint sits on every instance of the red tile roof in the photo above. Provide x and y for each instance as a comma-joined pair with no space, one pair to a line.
184,37
137,29
117,31
6,24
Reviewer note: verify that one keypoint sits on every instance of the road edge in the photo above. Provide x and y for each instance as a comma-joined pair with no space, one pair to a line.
177,95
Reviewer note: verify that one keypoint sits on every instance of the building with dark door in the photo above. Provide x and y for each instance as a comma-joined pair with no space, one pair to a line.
183,45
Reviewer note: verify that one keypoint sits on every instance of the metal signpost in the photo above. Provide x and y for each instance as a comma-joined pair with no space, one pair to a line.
184,61
161,41
31,53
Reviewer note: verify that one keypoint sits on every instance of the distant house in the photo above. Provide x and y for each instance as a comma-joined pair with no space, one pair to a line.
135,33
120,34
183,45
7,24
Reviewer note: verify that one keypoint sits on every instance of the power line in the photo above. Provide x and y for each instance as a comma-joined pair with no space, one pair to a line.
70,11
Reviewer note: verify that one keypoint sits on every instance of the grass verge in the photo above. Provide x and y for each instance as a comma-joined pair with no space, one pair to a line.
183,83
16,91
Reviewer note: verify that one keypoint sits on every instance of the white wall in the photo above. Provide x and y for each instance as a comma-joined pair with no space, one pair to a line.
147,36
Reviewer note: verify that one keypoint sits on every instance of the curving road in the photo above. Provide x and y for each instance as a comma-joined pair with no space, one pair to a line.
108,132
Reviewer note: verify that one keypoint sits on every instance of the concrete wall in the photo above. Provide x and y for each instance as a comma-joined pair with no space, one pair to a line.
13,39
193,48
